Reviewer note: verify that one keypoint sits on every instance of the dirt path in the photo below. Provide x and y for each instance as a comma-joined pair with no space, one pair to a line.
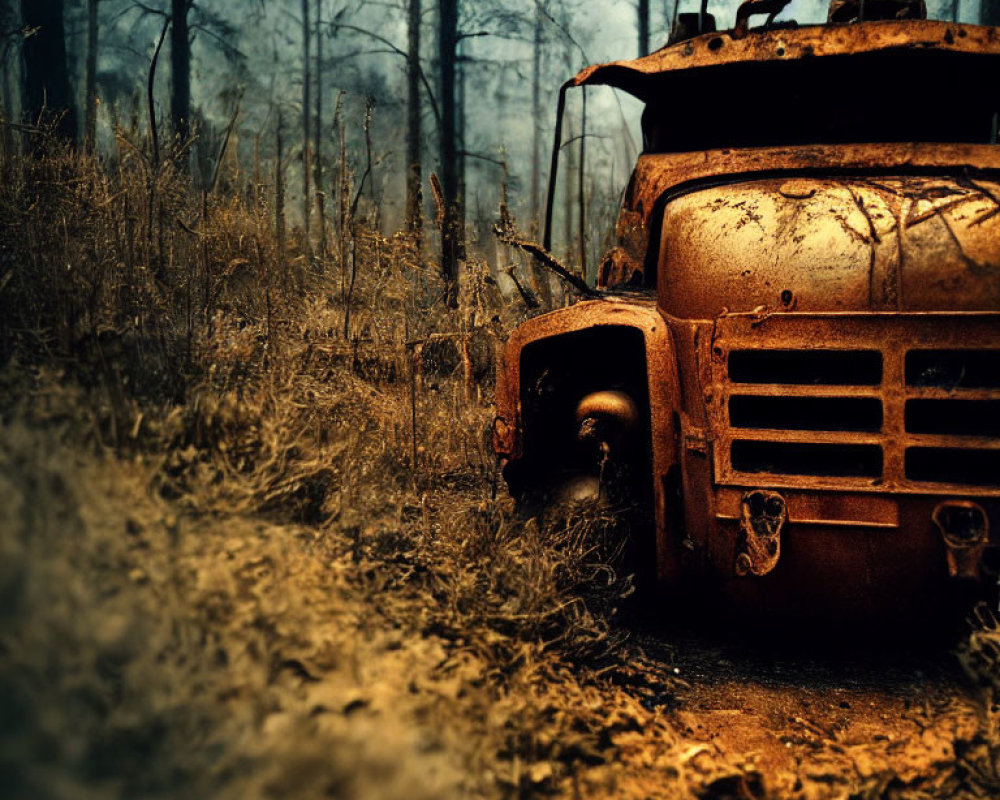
831,724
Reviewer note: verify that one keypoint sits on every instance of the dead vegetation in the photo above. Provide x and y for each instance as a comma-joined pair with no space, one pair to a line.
233,566
222,554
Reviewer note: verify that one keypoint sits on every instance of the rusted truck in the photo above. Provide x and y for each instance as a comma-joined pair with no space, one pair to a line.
790,380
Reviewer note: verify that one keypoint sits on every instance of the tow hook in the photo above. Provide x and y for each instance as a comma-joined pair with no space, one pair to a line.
762,519
965,530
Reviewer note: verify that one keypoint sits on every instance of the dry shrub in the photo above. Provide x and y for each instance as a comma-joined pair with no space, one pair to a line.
980,657
144,654
553,585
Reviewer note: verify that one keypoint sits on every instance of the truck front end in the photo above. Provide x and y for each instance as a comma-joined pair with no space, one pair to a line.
819,377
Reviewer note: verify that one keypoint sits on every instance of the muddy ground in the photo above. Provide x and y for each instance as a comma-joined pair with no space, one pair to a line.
824,722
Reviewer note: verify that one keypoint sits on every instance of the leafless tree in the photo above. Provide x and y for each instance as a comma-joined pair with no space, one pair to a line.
90,92
541,15
643,25
47,93
414,199
8,70
180,69
451,232
306,125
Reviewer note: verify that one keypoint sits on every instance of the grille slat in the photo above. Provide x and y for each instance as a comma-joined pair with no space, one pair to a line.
797,458
801,434
912,419
953,369
964,466
861,414
974,461
954,417
829,367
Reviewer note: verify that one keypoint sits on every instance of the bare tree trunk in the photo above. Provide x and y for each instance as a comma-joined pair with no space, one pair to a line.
318,129
569,213
180,70
306,127
643,9
8,61
536,119
90,121
7,112
47,92
414,199
460,126
581,189
279,201
343,194
450,231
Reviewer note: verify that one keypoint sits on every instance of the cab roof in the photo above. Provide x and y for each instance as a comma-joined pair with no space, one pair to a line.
647,77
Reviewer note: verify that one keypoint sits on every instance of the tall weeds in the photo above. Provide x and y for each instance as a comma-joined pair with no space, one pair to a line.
186,336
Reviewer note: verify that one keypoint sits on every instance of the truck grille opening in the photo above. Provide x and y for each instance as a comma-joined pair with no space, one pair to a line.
953,369
806,413
966,466
928,416
807,367
954,417
790,458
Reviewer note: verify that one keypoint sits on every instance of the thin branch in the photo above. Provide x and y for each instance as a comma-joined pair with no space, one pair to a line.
159,12
233,50
584,136
149,94
423,78
368,167
471,35
507,234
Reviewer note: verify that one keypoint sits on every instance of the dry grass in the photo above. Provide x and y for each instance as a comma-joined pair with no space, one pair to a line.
226,574
980,657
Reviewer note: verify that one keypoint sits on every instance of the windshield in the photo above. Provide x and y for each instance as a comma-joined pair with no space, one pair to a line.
776,103
814,12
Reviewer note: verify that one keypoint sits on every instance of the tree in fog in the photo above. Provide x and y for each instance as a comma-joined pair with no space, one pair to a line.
90,78
642,10
414,171
451,233
47,93
180,69
8,73
306,126
541,14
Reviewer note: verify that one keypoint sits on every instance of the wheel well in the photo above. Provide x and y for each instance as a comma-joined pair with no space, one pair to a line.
556,373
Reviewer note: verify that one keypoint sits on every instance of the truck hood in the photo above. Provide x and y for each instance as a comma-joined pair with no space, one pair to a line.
832,244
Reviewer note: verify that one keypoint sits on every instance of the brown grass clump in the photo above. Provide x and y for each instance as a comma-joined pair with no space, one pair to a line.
980,657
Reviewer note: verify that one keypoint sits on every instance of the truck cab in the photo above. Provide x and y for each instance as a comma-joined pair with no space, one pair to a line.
793,367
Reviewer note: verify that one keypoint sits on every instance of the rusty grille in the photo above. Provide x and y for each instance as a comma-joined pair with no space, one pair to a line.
795,432
907,403
953,394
